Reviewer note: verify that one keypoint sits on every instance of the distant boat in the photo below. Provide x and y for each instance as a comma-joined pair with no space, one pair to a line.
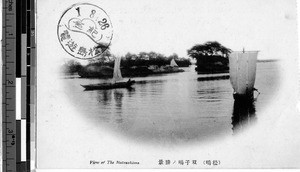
242,70
117,76
173,63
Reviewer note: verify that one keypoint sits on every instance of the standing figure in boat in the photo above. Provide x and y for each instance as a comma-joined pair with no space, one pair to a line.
242,70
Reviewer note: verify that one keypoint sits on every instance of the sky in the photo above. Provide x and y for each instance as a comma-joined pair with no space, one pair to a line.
173,26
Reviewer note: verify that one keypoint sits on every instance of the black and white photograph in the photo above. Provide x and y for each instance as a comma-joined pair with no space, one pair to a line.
208,84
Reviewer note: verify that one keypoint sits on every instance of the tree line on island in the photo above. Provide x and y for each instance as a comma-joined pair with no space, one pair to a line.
211,57
141,64
140,59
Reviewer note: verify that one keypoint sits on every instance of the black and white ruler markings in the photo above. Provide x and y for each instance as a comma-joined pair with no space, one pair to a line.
18,83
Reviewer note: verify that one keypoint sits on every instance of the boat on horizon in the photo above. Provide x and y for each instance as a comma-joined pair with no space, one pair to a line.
242,71
173,63
115,82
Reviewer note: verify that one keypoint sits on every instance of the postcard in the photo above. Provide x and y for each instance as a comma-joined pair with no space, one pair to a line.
166,84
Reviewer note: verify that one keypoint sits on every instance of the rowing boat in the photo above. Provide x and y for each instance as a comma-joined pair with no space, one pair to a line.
115,83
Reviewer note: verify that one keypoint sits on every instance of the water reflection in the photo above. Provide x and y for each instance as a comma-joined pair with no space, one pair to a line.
131,91
243,114
113,101
150,81
174,108
104,97
118,97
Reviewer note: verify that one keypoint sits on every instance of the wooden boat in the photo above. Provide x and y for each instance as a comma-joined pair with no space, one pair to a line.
242,71
117,77
106,86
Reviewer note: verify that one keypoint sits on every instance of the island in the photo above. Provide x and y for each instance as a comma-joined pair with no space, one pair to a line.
212,57
132,65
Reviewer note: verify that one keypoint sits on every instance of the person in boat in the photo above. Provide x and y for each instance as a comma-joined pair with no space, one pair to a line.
130,81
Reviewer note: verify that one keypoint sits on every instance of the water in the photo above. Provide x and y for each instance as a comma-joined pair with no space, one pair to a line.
172,108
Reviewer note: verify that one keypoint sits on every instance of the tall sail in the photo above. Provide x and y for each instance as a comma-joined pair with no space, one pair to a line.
117,72
173,63
242,69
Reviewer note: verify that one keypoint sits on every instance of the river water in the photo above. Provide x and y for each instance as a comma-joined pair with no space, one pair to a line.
172,108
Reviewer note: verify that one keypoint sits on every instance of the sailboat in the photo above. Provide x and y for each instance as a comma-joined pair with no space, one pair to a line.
115,82
242,71
173,63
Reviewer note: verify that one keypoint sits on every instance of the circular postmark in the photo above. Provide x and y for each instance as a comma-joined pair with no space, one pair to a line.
84,31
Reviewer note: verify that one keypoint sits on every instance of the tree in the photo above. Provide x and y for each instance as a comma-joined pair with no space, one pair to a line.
71,66
173,56
212,57
102,58
208,49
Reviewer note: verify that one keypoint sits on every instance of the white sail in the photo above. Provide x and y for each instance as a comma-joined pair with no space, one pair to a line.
242,69
173,63
117,72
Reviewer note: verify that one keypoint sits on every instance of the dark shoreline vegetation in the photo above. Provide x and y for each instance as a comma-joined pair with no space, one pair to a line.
211,58
267,60
132,65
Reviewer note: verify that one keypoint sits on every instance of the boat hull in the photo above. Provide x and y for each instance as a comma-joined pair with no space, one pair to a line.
107,86
248,97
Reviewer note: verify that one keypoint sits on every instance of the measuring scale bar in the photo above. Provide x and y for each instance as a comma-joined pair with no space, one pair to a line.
21,121
17,55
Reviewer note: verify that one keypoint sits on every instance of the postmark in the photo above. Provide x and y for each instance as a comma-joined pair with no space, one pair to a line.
84,31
